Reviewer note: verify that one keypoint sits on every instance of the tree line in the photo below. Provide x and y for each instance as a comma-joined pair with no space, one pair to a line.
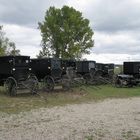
65,34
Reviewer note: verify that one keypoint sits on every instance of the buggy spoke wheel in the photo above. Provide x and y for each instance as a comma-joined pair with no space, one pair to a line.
87,77
48,83
118,82
79,80
33,84
98,73
10,86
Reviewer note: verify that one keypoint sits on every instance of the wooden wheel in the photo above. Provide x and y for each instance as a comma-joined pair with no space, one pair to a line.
117,82
49,83
33,84
87,77
98,73
11,86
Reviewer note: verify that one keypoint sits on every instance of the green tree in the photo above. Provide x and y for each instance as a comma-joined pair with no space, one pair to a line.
2,46
65,33
12,49
6,46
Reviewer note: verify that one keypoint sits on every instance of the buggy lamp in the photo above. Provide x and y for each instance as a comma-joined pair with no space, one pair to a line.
13,69
30,68
49,67
63,68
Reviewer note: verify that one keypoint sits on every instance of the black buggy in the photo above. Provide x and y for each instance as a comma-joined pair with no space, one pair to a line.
130,76
48,71
67,64
87,70
105,72
71,76
15,74
95,73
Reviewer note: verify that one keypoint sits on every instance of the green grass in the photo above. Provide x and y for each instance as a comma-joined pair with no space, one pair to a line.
25,102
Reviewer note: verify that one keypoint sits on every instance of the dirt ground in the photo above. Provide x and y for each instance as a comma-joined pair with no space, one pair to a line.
111,119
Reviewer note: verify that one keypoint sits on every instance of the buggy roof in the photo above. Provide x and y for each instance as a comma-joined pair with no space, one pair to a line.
132,62
88,61
44,59
11,56
105,63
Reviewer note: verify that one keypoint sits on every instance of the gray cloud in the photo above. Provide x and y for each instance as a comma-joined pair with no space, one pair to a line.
116,24
27,12
115,15
117,43
105,15
27,39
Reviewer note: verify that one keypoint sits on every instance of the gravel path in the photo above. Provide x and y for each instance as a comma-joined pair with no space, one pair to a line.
112,119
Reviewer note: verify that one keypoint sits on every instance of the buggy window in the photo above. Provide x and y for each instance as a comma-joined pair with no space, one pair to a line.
10,61
91,65
21,61
5,61
106,66
138,67
55,64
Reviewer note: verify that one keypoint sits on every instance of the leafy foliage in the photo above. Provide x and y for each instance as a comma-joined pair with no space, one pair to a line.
65,33
7,47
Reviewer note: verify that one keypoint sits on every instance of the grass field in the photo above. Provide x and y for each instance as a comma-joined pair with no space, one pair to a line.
26,101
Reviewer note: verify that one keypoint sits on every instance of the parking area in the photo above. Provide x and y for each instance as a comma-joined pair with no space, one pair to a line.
109,119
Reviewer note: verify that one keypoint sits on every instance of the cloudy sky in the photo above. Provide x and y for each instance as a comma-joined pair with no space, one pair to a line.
116,24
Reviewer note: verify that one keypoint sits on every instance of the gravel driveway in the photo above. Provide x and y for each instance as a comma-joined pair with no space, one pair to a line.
111,119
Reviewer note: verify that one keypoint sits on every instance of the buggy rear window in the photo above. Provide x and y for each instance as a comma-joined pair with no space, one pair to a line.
21,61
91,65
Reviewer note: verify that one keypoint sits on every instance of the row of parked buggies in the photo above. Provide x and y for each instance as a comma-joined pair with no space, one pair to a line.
21,72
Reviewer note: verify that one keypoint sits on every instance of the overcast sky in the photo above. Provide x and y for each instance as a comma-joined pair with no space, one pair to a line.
116,24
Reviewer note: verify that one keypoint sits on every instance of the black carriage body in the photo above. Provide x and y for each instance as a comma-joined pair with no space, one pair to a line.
132,68
99,66
130,76
46,67
108,67
104,67
68,63
84,67
14,66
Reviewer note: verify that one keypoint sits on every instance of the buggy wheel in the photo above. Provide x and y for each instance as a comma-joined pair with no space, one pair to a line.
77,81
80,79
99,77
11,86
117,82
49,83
98,73
33,84
87,78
